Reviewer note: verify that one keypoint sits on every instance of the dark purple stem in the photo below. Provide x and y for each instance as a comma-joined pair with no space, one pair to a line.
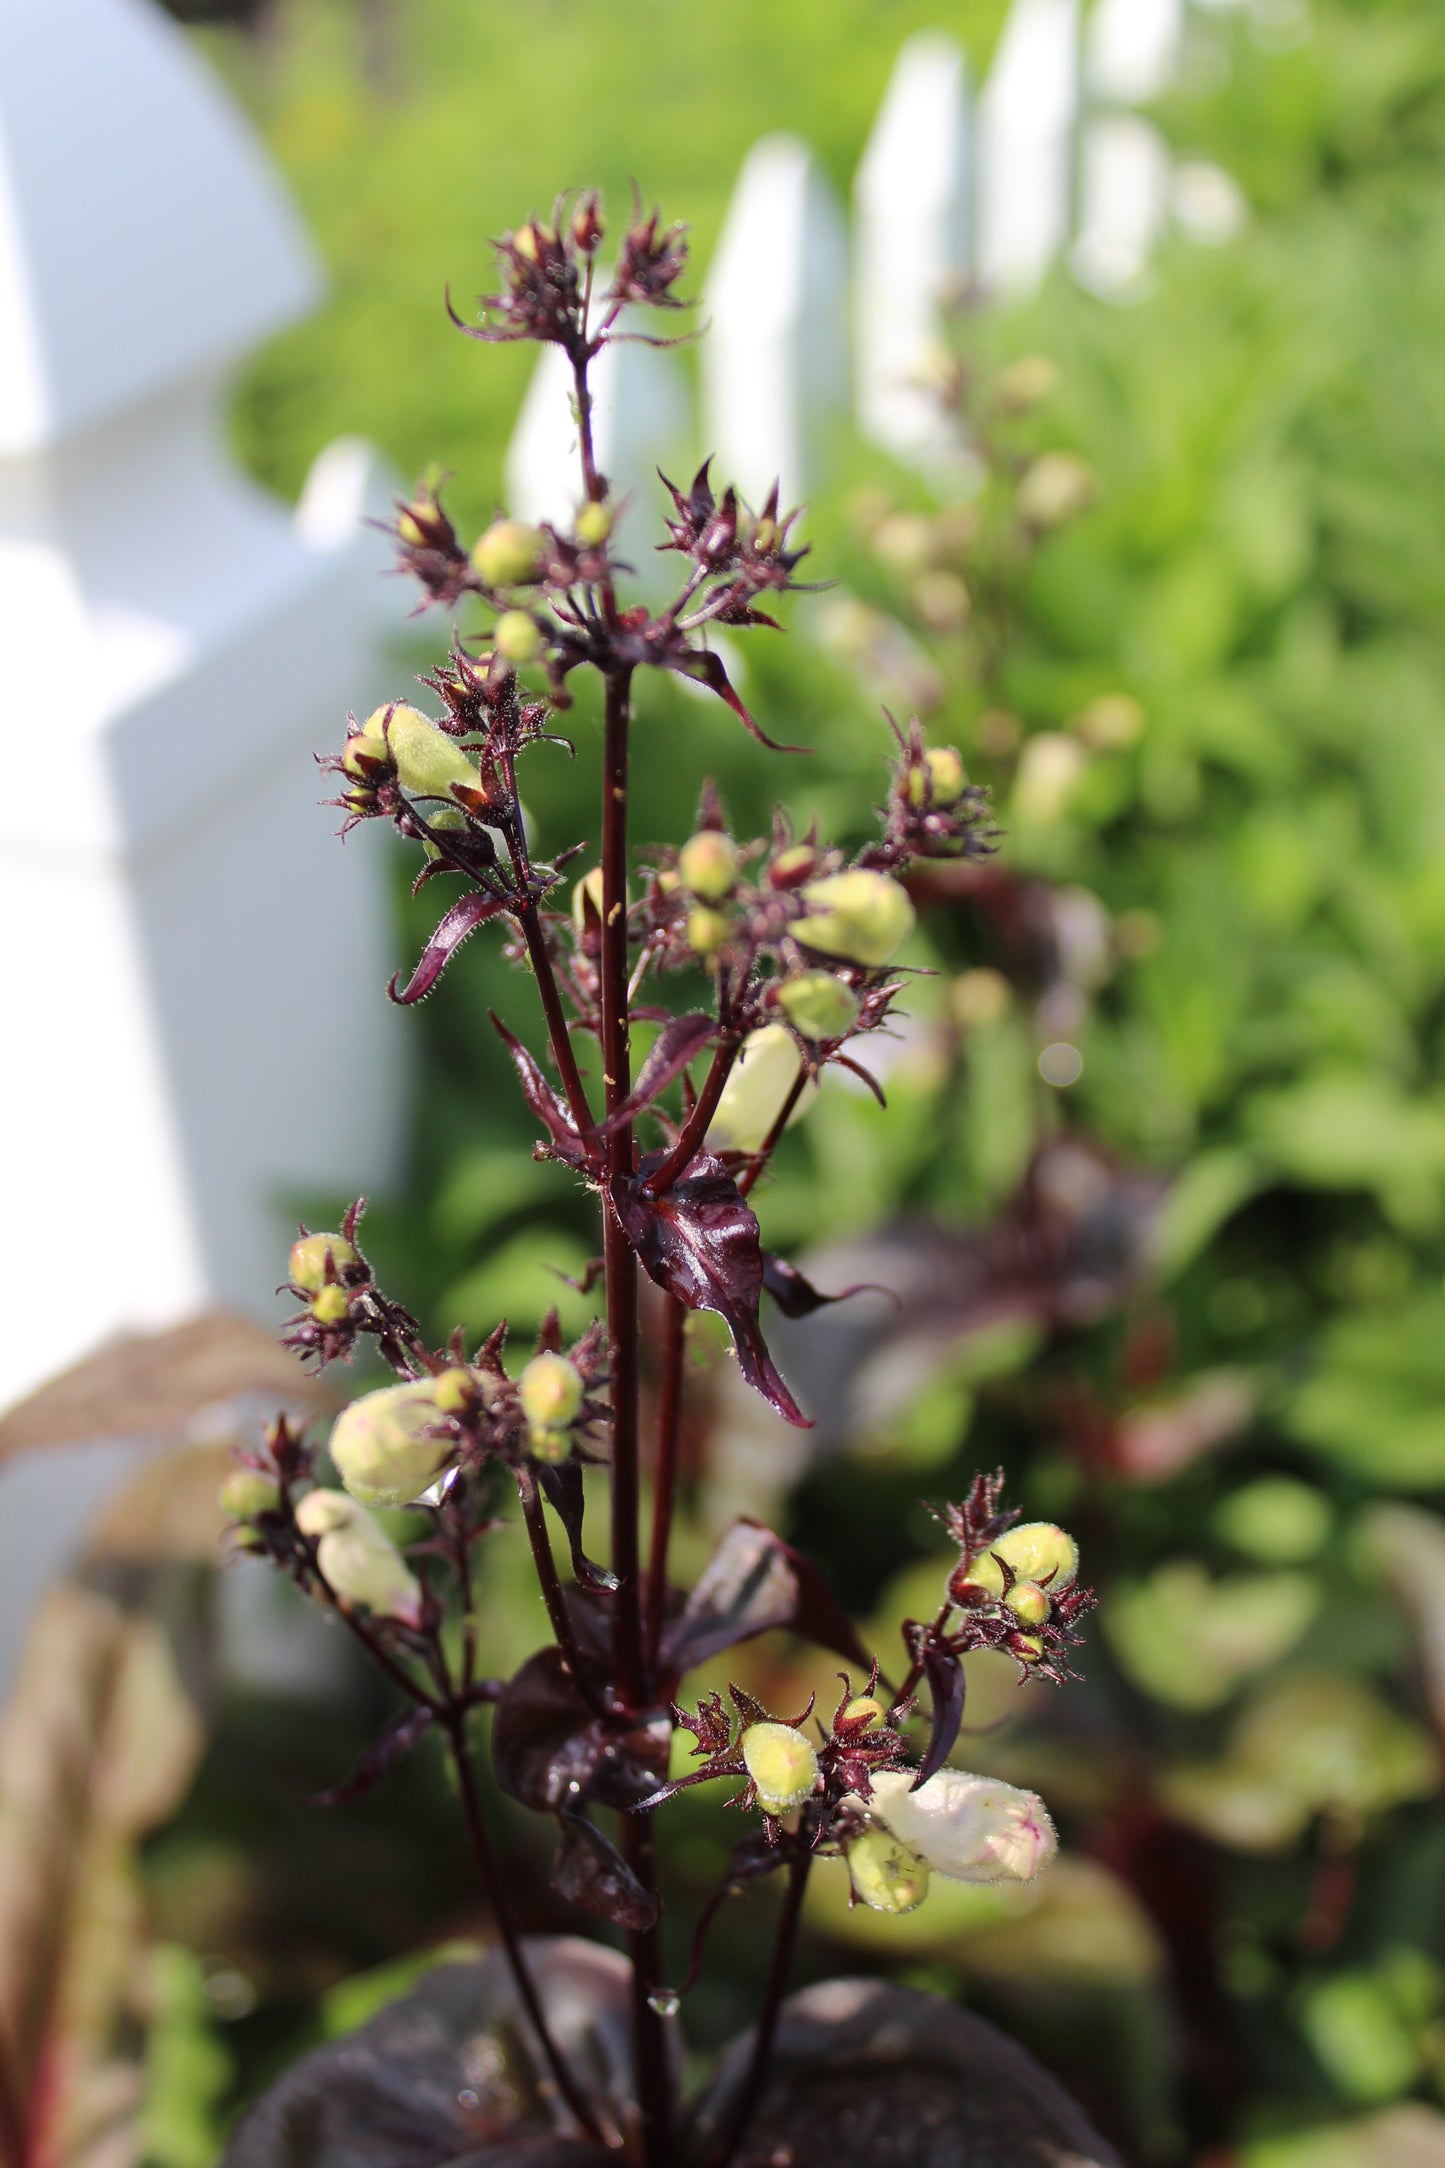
695,1128
664,1474
536,1520
782,1965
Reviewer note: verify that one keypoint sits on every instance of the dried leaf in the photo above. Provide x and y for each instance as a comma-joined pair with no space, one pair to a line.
680,1041
699,1241
752,1583
591,1872
465,915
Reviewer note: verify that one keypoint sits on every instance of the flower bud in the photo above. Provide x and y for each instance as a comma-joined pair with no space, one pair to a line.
311,1256
1028,1603
1057,488
783,1765
409,529
456,1390
389,1446
359,1560
594,525
446,820
587,891
793,866
517,637
509,554
1028,1648
1040,1551
708,864
860,915
820,1006
941,780
427,761
527,240
707,929
330,1305
587,226
550,1390
249,1492
757,1089
967,1828
888,1876
864,1708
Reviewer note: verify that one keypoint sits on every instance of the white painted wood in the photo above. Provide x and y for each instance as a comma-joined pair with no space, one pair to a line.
1133,49
913,244
197,1030
775,358
1028,118
1124,190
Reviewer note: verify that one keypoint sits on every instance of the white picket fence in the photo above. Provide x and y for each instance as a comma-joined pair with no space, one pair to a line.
1047,161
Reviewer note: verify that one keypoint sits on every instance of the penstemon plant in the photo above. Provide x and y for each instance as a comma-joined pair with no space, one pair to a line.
795,944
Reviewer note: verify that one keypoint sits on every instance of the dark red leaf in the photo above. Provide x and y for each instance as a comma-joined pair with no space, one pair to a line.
591,1871
465,915
795,1294
540,1097
561,1483
699,1241
944,1674
545,1740
707,669
681,1039
390,1744
752,1583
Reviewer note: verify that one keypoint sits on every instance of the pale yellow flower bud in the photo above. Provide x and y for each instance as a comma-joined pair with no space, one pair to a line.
820,1006
783,1765
360,1562
860,915
248,1492
550,1389
509,554
390,1446
309,1259
757,1089
708,864
888,1875
594,525
942,779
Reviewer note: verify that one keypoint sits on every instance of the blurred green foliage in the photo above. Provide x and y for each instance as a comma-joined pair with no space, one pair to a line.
1244,1946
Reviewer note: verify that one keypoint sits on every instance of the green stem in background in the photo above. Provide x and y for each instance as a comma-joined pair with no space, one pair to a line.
751,2090
664,1474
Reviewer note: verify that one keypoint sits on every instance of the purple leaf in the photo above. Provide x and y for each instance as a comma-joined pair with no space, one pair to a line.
699,1241
545,1740
561,1483
795,1294
707,668
944,1674
681,1039
591,1871
752,1583
390,1744
540,1097
465,915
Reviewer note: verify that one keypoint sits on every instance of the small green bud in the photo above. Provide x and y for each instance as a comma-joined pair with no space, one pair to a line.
820,1006
447,820
454,1390
1040,1551
358,1558
427,761
942,779
888,1875
865,1706
388,1447
517,637
544,1443
409,526
509,554
708,864
793,866
249,1492
330,1305
707,929
1028,1648
860,915
783,1765
550,1390
309,1259
1028,1602
594,525
757,1089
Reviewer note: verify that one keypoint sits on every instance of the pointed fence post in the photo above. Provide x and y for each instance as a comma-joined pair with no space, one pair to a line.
1132,50
1124,183
774,362
914,241
1028,121
197,1029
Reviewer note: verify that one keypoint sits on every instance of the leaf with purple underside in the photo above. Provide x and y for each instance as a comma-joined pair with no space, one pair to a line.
540,1097
680,1041
706,668
753,1583
545,1740
465,915
561,1485
590,1871
700,1242
944,1674
795,1294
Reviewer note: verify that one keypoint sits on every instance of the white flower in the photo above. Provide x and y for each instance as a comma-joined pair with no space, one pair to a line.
969,1829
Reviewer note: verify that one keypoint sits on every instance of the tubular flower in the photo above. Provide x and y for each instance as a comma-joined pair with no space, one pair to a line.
966,1828
358,1558
390,1446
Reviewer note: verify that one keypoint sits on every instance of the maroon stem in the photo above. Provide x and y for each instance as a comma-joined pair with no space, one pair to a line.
552,1596
491,1883
695,1128
782,1965
664,1474
652,2075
